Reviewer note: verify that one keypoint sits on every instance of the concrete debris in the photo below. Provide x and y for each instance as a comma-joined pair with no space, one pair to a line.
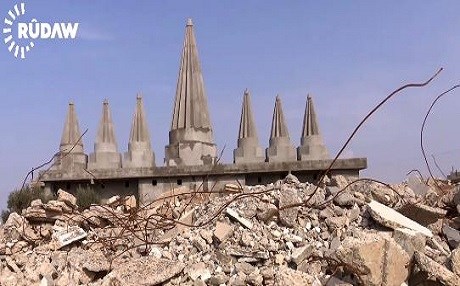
435,269
69,235
393,219
275,234
232,213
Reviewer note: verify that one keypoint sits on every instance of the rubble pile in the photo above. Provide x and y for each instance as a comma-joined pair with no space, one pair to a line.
286,233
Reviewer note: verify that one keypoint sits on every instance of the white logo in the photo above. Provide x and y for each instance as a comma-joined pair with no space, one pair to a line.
27,32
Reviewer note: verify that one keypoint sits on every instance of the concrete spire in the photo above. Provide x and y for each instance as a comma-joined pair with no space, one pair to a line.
190,139
72,142
280,148
139,148
190,105
71,133
311,143
105,154
248,150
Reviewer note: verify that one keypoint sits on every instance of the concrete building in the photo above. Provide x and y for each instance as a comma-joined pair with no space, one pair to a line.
191,155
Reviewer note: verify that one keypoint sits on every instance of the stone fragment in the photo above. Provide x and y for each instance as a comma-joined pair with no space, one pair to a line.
267,212
393,219
233,214
232,188
97,262
69,235
223,231
146,270
67,198
376,260
337,222
244,267
436,270
286,276
288,215
455,261
218,279
301,253
199,270
130,203
452,235
410,240
423,214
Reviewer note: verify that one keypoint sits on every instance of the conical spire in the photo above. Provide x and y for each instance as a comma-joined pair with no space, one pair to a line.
139,148
190,105
248,150
310,122
279,128
190,138
71,133
280,148
105,133
247,126
105,154
311,143
72,142
139,129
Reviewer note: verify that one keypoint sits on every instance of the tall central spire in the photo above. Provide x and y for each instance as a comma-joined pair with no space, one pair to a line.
190,138
190,105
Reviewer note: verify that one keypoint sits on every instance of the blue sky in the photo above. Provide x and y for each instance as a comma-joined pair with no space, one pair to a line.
347,54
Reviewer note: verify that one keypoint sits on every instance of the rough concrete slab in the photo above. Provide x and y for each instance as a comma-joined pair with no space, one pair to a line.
393,219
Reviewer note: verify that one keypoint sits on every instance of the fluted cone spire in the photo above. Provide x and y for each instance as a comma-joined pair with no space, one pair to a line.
280,148
139,129
190,138
311,143
247,126
105,154
71,133
310,122
139,148
279,128
105,133
190,105
248,150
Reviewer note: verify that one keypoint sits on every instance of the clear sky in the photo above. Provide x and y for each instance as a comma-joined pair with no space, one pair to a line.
347,54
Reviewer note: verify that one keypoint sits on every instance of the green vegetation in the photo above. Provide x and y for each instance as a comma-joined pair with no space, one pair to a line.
86,197
20,199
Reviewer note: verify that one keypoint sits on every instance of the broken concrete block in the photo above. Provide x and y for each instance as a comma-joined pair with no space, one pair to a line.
436,270
199,270
223,231
288,197
300,254
410,240
286,276
455,261
233,214
232,188
69,235
130,202
393,219
375,259
452,235
146,270
423,214
67,198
